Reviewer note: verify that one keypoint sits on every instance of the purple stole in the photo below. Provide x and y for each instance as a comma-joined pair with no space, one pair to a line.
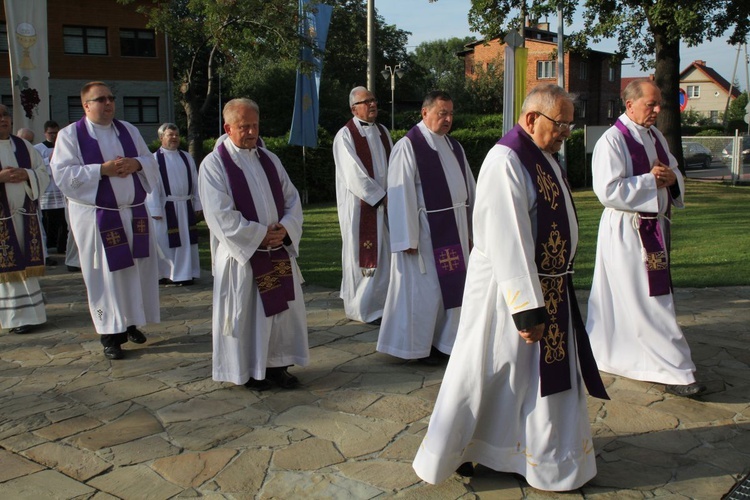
656,258
108,218
446,242
368,215
173,226
272,270
553,260
17,264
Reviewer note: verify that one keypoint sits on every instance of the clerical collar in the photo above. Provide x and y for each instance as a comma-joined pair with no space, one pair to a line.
366,124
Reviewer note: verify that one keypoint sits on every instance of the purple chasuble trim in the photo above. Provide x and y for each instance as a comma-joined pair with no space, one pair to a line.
553,260
368,215
17,264
654,242
173,226
272,270
446,242
108,220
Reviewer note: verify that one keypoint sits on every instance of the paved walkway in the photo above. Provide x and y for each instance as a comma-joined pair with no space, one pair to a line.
75,425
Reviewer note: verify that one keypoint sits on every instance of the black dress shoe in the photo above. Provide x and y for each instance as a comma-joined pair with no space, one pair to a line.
135,335
50,262
466,469
74,269
165,281
685,391
20,330
114,352
258,385
281,377
183,283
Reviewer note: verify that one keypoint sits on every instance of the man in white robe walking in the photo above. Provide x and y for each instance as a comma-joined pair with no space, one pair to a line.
430,198
631,317
104,168
254,214
360,151
512,397
23,179
175,206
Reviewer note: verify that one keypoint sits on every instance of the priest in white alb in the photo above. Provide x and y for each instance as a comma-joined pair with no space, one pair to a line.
175,207
360,151
254,214
512,398
430,199
104,168
23,179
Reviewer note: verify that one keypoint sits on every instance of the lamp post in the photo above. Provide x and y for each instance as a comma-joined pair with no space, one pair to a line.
394,72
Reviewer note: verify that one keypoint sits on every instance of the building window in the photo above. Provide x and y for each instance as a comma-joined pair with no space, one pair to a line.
583,70
581,109
693,91
715,116
3,37
490,67
75,109
611,109
137,43
85,40
546,69
141,109
612,72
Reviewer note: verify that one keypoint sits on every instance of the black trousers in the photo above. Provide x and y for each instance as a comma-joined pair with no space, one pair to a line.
114,339
56,228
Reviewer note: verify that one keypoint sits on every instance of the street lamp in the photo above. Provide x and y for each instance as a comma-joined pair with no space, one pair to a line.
393,73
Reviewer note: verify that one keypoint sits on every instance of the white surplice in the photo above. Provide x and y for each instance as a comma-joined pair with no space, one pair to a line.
179,263
21,302
129,296
245,341
414,318
489,409
363,296
632,334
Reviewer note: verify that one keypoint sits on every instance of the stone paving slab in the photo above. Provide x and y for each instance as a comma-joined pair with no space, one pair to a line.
155,425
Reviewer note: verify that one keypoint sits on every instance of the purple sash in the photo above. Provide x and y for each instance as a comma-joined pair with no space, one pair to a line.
368,215
108,218
446,242
173,226
554,262
272,270
656,258
17,264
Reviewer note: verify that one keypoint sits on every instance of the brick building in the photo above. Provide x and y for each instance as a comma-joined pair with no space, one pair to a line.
594,77
101,40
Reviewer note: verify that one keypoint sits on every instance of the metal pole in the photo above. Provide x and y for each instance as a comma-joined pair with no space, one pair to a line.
561,75
371,45
393,100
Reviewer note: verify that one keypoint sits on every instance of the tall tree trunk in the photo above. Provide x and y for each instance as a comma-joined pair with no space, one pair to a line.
667,77
194,136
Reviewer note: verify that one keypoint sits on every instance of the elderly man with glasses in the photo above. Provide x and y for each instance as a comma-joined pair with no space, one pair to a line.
105,169
360,151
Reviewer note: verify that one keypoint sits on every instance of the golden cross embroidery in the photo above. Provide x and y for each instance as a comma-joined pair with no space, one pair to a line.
266,283
113,238
449,260
140,226
367,244
656,261
282,267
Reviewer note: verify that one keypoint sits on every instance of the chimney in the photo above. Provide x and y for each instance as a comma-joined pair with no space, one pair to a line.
699,62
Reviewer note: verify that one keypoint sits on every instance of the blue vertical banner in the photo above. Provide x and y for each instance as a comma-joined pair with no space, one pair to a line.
314,21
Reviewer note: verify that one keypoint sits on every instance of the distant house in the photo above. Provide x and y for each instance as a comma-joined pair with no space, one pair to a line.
707,90
101,40
594,77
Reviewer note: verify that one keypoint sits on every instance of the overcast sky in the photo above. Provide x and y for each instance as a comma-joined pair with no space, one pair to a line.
449,18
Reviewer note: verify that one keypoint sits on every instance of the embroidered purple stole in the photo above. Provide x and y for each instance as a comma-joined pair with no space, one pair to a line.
446,242
368,215
17,264
654,242
173,226
553,260
108,218
273,269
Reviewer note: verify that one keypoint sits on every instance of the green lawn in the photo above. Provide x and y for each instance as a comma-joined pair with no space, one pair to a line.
710,239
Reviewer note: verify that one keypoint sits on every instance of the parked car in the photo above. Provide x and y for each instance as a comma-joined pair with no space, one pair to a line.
696,155
726,153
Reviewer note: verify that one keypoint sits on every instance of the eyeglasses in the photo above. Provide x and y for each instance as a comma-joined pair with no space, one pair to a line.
562,126
369,101
102,99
